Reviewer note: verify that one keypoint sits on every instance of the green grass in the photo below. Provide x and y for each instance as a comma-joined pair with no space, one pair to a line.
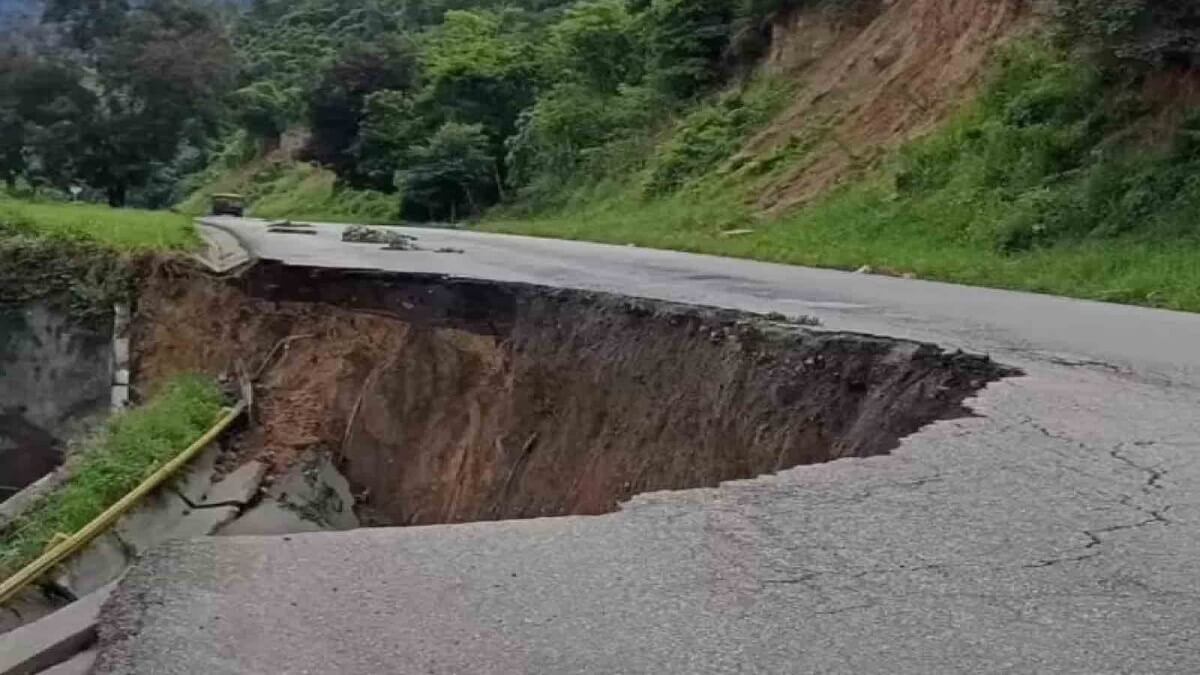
1045,184
121,229
295,191
865,226
130,448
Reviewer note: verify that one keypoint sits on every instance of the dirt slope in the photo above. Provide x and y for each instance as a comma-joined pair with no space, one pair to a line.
870,84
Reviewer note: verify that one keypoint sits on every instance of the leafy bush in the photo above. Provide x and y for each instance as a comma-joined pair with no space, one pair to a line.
572,124
595,44
451,175
1038,162
712,133
265,109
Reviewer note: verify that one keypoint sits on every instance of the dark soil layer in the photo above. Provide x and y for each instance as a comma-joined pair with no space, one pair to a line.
449,401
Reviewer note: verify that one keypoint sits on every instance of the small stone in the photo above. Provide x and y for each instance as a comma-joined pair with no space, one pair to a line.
238,487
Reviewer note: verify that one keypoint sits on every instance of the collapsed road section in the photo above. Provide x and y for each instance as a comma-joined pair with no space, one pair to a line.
1053,529
448,401
388,399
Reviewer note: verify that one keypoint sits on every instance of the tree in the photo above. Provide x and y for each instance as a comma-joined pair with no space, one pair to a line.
336,107
686,40
87,23
596,44
392,126
264,109
480,74
452,174
568,122
159,71
44,109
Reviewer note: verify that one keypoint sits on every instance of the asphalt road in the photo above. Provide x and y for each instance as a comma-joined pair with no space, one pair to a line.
1056,531
1147,341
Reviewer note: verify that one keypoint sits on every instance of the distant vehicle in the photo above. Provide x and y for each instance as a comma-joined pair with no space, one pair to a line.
228,205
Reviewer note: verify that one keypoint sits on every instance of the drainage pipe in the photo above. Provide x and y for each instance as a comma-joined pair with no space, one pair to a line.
65,546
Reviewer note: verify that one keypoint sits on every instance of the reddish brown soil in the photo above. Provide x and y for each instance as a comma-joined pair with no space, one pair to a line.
455,402
869,86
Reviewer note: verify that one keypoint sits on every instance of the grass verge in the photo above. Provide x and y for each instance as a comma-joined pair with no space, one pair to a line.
864,226
1056,180
121,229
131,447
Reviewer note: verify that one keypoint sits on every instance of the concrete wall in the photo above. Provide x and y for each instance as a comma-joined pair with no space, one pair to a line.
55,375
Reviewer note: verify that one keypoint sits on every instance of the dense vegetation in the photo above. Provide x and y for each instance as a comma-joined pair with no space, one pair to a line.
111,96
453,105
619,120
1047,182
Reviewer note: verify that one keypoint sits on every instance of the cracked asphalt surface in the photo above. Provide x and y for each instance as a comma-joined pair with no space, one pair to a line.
1055,531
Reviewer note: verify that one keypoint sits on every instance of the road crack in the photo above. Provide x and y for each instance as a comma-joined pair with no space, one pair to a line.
1154,474
1151,485
1093,548
193,506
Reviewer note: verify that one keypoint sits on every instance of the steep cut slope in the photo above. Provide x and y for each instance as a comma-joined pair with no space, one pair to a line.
872,83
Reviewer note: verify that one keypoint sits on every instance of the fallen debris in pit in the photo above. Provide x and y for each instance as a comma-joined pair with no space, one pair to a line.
196,503
311,497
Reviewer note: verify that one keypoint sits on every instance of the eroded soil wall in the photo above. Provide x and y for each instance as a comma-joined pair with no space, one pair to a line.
452,401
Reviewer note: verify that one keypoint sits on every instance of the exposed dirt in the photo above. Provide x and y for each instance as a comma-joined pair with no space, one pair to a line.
449,401
872,84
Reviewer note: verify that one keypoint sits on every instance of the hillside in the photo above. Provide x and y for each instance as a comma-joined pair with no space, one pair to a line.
872,83
867,83
950,140
1042,145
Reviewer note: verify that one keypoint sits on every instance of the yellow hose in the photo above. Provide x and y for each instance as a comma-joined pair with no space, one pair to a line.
68,546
